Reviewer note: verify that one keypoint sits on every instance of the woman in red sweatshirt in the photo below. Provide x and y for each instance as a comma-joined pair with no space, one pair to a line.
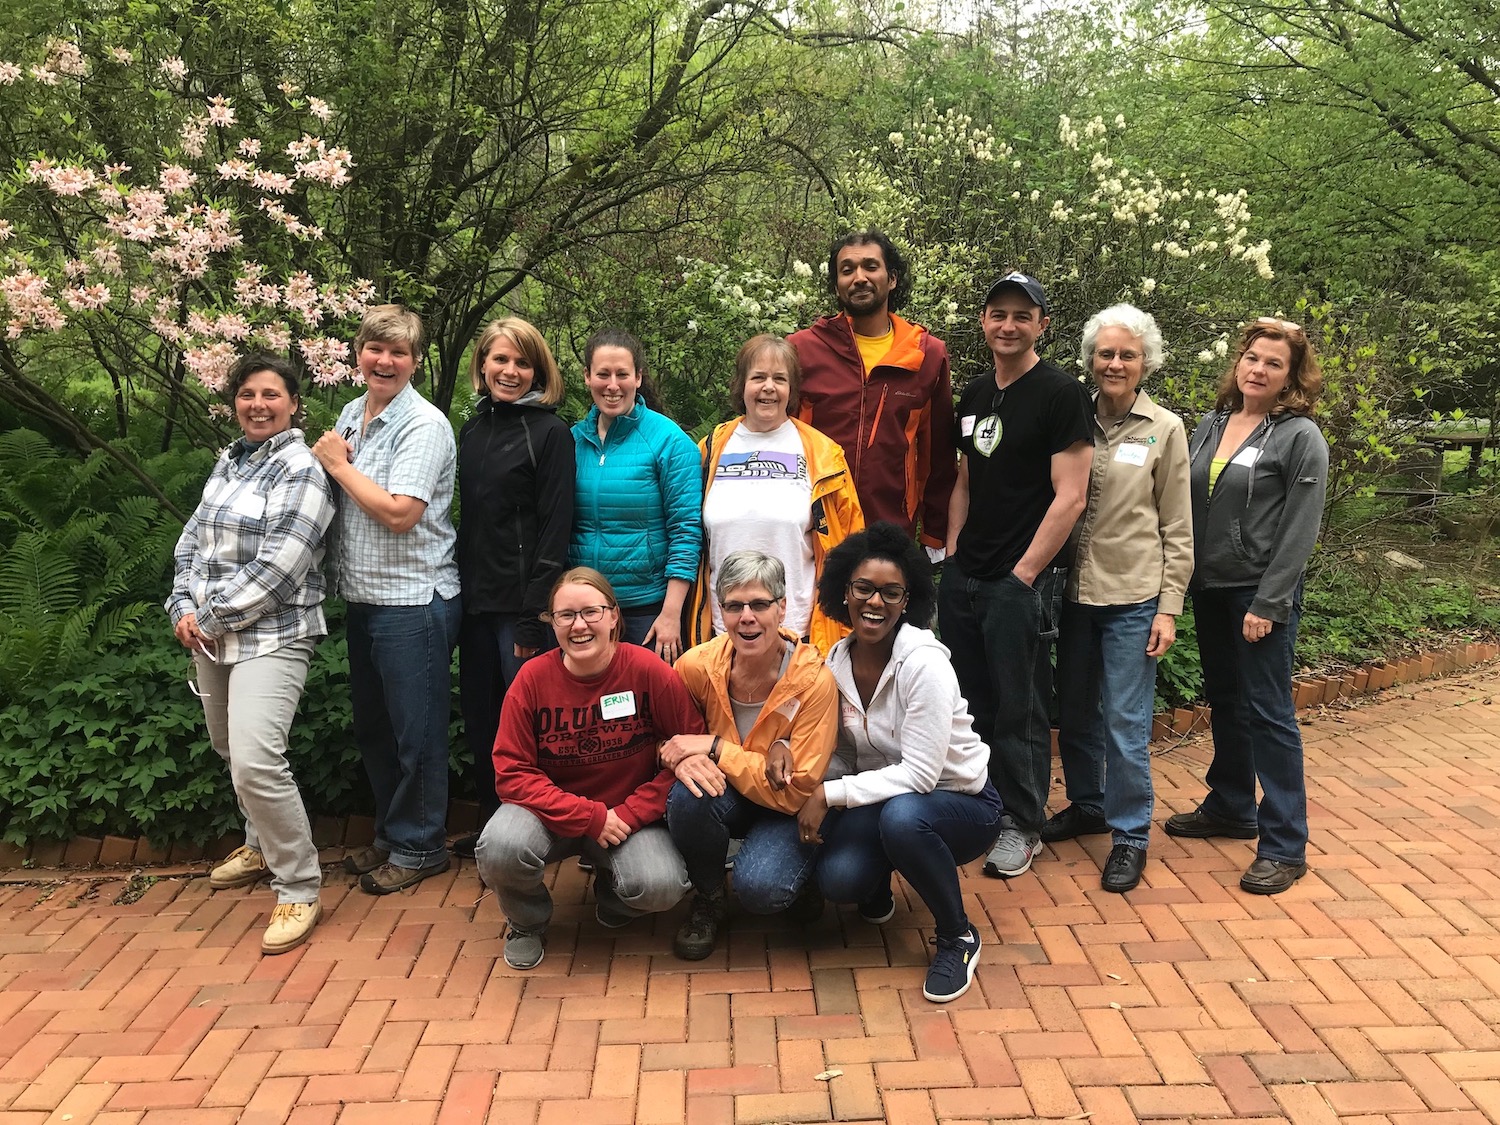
577,772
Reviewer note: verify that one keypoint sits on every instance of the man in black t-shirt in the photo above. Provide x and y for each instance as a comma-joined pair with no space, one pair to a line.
1026,440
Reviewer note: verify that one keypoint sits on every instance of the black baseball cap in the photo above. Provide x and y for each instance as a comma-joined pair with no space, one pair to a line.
1022,281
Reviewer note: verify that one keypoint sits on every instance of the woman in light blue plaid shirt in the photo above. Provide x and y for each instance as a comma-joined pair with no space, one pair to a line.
393,456
247,602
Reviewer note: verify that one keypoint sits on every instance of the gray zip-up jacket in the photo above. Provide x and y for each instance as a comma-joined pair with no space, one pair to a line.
1259,526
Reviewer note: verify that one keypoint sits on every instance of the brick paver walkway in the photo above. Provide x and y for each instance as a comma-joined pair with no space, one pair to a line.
1369,994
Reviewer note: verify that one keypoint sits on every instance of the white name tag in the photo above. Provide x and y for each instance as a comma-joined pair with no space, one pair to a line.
621,705
849,714
966,425
250,504
1247,456
1131,453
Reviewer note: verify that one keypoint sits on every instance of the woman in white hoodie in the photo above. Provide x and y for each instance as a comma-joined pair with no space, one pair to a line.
908,789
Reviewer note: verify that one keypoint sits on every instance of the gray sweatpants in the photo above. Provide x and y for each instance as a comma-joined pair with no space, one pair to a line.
644,875
249,707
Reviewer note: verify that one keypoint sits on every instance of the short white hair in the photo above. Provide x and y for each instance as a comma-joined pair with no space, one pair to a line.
1141,325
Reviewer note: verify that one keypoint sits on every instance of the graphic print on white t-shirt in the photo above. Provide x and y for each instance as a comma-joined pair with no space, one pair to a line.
761,497
761,464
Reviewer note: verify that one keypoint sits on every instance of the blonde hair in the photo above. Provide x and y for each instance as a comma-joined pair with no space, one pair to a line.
588,576
525,338
391,324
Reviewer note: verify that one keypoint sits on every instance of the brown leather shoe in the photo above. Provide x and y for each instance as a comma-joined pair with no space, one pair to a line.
387,879
365,859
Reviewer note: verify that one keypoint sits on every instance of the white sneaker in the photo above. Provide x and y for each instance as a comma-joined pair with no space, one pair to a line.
291,924
1012,853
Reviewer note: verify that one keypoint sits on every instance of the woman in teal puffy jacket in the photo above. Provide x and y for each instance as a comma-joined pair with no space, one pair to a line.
638,504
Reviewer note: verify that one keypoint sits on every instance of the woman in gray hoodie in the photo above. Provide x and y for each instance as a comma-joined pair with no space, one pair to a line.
1259,472
908,788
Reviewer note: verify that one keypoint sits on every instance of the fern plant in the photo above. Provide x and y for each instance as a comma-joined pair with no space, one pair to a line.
84,560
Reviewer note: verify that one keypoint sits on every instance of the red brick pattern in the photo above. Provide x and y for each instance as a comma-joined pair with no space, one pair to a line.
1367,995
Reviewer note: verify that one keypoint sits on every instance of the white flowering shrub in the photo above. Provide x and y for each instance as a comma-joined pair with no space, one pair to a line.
1075,208
1080,213
164,254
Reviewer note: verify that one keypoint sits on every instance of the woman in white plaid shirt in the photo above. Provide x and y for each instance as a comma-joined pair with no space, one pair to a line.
247,603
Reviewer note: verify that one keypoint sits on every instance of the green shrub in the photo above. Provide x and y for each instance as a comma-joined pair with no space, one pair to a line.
122,749
1179,674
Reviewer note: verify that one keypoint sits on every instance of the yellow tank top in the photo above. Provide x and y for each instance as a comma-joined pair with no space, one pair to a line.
1216,466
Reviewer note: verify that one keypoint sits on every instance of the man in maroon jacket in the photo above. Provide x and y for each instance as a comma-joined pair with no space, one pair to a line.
879,386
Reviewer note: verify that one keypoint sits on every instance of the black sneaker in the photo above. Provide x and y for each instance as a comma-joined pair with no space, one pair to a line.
1072,822
700,929
807,907
952,968
879,910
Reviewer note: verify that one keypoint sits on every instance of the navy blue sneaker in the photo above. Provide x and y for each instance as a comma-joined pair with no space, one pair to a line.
952,968
879,910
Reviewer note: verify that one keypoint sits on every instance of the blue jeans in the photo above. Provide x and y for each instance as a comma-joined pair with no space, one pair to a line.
487,664
1256,737
772,864
637,622
1106,685
1000,634
925,836
399,685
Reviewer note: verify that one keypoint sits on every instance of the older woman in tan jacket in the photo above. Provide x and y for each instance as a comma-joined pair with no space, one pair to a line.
1133,556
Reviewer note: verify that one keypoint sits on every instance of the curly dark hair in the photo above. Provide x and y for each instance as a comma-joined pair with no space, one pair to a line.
882,540
895,262
253,364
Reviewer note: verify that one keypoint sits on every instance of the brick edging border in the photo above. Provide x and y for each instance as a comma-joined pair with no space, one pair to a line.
356,831
1315,691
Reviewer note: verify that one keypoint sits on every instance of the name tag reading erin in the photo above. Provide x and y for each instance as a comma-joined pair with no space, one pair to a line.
621,705
1131,453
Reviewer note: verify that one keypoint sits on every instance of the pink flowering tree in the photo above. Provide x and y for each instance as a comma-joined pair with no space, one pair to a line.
148,259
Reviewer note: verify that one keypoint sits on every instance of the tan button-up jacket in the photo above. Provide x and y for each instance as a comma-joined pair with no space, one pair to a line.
1135,539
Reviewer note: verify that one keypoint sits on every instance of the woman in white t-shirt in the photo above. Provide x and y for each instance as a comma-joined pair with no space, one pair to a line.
773,484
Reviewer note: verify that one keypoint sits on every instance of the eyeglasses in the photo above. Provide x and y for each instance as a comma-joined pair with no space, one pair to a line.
192,680
1276,322
734,609
1108,355
893,594
565,617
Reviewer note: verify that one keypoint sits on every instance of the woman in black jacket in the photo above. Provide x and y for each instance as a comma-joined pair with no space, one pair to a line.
515,479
